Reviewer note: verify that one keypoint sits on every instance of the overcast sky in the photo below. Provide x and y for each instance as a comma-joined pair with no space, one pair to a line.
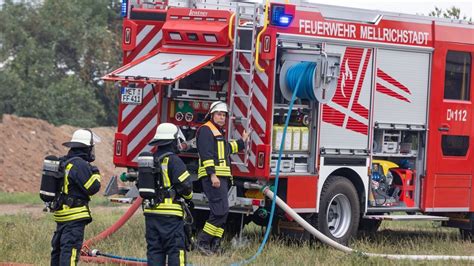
402,6
405,6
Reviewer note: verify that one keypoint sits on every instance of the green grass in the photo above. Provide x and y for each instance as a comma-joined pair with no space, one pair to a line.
33,198
20,198
25,238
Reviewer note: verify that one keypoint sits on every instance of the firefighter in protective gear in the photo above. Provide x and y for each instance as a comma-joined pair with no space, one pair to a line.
81,181
164,222
215,174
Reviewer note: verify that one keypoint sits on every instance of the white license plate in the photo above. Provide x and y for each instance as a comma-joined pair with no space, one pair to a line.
132,95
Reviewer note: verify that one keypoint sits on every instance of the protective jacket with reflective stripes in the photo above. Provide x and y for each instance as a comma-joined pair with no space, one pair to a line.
214,151
80,182
175,176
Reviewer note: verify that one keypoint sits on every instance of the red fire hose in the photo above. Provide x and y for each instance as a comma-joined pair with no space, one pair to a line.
85,256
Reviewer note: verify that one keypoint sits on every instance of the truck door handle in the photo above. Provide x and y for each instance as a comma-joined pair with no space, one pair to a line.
444,128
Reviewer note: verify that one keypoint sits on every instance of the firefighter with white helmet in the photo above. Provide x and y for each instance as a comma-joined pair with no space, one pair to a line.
164,211
215,174
79,182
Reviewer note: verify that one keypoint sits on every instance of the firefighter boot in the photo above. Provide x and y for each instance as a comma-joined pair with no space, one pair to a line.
204,249
216,246
203,245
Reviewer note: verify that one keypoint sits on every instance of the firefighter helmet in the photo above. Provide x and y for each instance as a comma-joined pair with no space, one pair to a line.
82,138
218,106
165,134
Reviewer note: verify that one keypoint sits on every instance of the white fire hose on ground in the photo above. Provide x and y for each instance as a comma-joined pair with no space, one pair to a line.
267,191
296,77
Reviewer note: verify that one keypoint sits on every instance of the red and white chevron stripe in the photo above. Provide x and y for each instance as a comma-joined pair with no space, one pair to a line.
139,122
345,110
259,106
388,85
148,39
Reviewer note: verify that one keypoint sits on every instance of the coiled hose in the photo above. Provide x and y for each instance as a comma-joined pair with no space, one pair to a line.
304,71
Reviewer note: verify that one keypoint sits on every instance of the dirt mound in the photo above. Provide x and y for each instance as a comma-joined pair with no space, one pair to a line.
26,141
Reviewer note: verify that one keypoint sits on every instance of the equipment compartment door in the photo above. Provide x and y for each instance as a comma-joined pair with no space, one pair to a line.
165,65
345,119
450,158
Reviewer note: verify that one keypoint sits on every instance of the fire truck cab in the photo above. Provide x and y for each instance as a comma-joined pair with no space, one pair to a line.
381,123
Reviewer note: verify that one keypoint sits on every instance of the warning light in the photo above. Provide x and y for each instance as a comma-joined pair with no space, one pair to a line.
282,15
175,36
124,8
257,202
284,20
118,147
261,159
128,34
210,38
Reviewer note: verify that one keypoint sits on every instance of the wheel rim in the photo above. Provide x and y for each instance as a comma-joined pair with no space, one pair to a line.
338,215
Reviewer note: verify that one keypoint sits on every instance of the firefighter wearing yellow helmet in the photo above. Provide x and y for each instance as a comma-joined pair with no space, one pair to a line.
163,190
215,174
81,180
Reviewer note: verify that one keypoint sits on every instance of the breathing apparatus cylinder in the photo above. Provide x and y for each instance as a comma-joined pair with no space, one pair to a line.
51,178
146,177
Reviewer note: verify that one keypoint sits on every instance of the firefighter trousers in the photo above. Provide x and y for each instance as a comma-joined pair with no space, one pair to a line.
165,237
219,209
67,242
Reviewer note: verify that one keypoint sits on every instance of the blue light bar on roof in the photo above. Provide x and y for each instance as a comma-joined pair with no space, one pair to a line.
284,20
279,18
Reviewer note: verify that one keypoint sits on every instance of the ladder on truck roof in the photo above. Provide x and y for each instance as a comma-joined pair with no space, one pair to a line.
245,25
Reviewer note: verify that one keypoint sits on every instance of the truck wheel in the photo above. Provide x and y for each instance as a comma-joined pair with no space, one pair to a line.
467,235
338,216
369,226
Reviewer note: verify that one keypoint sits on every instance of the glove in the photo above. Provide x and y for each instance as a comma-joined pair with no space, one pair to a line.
95,170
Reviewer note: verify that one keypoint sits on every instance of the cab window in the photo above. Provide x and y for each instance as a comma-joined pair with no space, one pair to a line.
457,76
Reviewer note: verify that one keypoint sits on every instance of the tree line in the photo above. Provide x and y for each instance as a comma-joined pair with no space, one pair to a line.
449,13
54,52
52,56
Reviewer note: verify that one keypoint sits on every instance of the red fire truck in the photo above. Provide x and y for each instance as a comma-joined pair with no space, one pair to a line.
382,122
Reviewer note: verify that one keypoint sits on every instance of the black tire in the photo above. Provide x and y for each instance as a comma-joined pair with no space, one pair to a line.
369,226
339,210
467,235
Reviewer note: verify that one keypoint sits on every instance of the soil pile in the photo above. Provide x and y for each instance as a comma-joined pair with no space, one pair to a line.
25,143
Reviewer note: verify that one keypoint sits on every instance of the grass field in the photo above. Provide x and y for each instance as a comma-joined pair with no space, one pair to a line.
25,238
34,199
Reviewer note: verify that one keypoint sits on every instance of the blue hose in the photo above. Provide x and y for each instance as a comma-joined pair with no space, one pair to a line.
121,257
299,72
305,71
